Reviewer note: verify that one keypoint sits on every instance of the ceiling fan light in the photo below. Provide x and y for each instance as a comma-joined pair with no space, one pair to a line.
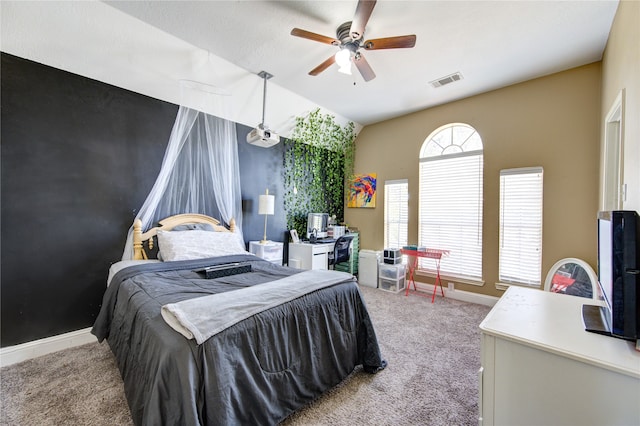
343,59
345,69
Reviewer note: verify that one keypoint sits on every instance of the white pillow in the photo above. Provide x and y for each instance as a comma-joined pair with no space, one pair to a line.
198,244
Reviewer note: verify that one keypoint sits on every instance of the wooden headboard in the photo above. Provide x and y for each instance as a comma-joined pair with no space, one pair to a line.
140,238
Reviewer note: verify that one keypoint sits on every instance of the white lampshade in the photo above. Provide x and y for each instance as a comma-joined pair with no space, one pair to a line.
266,204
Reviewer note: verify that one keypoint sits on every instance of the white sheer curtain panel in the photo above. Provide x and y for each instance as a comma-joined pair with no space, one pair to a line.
199,174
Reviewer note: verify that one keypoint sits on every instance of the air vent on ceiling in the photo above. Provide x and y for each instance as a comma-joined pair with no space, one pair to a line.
456,76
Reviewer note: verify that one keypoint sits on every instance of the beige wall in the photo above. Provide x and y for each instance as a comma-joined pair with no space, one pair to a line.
621,70
553,122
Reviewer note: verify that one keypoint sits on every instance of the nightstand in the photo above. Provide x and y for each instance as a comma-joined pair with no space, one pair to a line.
271,250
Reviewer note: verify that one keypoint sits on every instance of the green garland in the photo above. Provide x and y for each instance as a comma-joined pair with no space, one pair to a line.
317,161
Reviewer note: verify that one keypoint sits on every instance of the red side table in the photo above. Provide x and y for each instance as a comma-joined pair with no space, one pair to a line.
435,254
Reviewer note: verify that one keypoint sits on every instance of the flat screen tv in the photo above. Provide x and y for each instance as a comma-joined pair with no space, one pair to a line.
618,276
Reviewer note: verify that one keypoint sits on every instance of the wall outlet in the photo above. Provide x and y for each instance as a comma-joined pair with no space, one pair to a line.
450,287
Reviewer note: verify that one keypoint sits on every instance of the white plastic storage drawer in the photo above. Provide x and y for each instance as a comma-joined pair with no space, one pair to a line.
393,286
392,256
392,272
271,251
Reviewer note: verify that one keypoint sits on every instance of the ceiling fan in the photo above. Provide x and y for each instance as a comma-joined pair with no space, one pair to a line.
350,36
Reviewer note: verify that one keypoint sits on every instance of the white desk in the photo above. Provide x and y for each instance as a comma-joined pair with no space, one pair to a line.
540,367
310,256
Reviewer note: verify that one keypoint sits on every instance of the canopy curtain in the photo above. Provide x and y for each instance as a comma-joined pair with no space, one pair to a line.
199,174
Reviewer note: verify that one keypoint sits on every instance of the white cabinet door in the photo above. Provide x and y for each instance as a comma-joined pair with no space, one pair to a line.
309,256
320,259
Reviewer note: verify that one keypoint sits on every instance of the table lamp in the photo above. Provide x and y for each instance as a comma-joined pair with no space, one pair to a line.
266,205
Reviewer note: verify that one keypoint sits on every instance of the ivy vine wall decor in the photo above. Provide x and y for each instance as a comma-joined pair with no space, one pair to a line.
318,158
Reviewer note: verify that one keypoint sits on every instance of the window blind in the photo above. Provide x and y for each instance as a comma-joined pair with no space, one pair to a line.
450,212
396,213
521,226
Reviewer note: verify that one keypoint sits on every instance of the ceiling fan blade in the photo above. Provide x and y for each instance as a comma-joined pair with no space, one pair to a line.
362,15
398,42
364,67
315,37
323,66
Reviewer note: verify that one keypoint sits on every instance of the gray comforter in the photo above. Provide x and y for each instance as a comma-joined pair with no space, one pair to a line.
256,372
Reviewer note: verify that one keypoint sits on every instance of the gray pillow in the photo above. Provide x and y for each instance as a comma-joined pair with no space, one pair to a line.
194,227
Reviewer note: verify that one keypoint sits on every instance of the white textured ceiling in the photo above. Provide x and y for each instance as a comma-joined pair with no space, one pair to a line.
492,43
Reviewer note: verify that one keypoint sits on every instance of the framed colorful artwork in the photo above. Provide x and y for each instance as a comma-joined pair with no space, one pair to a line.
362,191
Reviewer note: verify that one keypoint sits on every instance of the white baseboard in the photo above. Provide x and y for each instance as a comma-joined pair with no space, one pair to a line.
465,296
18,353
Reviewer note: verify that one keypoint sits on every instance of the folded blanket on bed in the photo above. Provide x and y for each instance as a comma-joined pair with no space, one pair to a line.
206,316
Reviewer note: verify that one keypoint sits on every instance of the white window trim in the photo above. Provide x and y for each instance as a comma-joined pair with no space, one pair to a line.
453,146
394,182
457,155
503,284
613,190
476,273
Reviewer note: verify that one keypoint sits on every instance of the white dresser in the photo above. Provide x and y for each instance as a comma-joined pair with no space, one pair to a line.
539,366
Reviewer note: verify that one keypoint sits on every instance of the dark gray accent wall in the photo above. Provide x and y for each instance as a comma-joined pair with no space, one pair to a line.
78,158
261,168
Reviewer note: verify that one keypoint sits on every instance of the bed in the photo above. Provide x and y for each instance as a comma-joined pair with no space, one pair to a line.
243,348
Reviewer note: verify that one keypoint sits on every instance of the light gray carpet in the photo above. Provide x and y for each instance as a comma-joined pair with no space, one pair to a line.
433,352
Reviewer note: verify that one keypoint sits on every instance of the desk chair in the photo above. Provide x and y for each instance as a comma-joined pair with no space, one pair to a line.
341,251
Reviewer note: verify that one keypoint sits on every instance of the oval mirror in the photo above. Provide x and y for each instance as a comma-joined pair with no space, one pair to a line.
572,276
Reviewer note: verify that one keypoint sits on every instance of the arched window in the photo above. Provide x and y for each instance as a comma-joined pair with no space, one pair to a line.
450,211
